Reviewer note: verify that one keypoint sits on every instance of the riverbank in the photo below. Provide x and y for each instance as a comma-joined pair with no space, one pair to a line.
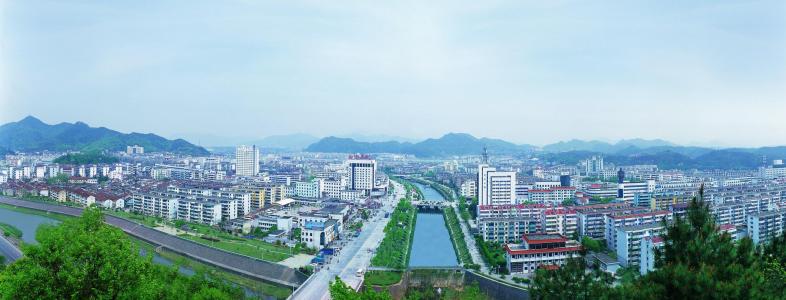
457,237
122,224
255,286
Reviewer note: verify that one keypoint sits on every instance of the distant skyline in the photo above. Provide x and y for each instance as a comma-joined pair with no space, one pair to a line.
705,73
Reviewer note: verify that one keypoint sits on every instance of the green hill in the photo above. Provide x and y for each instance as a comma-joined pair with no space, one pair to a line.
30,134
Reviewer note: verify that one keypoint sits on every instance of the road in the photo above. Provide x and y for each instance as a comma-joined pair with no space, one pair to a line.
9,251
355,255
244,265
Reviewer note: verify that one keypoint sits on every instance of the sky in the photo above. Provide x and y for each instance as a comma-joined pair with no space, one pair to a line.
537,72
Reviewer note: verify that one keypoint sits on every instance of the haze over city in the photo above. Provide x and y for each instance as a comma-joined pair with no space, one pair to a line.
698,73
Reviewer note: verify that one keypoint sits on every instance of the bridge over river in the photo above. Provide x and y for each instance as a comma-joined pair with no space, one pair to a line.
240,264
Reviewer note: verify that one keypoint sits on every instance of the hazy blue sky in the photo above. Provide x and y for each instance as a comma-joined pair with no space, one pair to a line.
526,71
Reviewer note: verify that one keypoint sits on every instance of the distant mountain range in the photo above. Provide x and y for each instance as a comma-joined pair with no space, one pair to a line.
31,134
625,152
449,144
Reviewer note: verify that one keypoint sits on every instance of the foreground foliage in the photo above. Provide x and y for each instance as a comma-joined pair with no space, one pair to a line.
696,262
83,258
341,291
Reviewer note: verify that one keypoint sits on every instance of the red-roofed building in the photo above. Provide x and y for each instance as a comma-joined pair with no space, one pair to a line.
538,250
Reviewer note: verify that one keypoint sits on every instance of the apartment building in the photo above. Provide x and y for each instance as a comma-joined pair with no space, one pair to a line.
614,222
628,241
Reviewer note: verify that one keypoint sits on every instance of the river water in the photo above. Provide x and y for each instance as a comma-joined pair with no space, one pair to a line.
431,246
29,223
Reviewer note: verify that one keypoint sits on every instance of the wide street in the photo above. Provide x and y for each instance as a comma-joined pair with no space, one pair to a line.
356,254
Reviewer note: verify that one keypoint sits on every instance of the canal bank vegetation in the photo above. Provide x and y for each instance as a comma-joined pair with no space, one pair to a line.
382,278
457,236
29,211
84,258
393,251
493,255
467,210
410,188
176,259
10,231
442,189
257,286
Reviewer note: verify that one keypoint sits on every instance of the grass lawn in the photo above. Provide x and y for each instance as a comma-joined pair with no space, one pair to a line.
382,278
253,248
142,219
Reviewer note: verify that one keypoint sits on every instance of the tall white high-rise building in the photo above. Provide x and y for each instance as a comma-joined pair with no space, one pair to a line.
362,171
496,187
594,165
247,160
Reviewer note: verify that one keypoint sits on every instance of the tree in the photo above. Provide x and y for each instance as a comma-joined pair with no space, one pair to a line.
84,258
571,281
341,291
591,244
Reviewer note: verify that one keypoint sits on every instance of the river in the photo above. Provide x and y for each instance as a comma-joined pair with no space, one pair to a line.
431,246
29,223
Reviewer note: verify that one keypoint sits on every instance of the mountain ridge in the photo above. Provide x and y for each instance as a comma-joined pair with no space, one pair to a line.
31,134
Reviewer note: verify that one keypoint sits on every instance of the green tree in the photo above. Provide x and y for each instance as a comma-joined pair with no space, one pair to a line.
571,281
341,291
591,244
84,258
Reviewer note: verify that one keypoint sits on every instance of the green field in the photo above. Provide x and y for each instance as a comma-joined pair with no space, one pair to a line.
142,219
253,248
382,278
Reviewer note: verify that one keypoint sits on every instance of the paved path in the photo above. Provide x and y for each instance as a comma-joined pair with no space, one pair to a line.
9,251
471,245
355,255
248,266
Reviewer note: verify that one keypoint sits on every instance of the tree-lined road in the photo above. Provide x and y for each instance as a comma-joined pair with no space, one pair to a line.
355,255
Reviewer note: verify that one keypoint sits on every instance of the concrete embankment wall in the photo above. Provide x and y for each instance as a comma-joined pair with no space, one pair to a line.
454,279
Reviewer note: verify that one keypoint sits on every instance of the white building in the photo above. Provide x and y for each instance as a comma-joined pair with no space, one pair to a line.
246,161
764,226
469,189
135,149
204,212
362,172
311,189
647,258
496,187
628,241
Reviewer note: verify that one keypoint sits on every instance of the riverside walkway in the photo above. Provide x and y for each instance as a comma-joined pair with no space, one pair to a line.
240,264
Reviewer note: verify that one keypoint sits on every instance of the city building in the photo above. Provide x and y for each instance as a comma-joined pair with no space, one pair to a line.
247,161
764,226
362,171
496,187
539,250
647,258
135,149
628,241
562,221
